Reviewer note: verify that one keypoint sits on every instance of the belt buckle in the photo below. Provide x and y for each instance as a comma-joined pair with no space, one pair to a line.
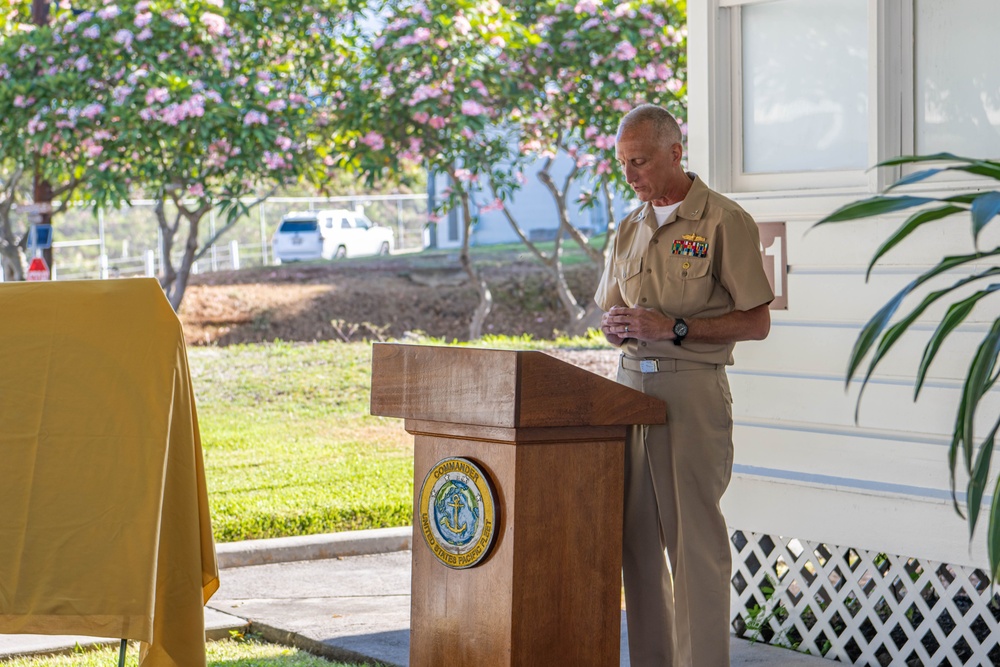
648,365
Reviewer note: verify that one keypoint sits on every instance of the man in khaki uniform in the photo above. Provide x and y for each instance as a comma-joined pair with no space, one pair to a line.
683,283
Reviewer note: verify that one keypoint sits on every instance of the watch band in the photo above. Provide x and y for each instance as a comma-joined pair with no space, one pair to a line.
680,331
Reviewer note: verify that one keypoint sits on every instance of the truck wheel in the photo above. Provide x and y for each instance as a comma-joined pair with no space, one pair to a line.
384,248
341,252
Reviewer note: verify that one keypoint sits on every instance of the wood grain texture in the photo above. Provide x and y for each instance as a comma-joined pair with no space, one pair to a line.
549,592
500,388
513,436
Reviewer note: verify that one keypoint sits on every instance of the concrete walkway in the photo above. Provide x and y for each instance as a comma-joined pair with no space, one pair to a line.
344,596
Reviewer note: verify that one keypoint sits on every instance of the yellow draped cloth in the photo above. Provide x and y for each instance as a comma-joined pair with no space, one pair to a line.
104,521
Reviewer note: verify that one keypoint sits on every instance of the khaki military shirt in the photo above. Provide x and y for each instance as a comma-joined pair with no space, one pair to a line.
705,262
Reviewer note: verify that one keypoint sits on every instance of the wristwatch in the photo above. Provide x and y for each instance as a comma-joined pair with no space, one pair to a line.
680,330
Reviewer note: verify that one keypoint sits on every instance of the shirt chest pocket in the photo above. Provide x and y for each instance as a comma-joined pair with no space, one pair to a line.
628,275
688,286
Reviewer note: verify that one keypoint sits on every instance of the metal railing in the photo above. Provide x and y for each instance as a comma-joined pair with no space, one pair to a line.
127,242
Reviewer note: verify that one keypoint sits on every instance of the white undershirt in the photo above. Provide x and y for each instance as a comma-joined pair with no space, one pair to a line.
665,213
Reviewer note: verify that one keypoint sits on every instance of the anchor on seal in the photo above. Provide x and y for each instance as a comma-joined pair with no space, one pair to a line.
457,504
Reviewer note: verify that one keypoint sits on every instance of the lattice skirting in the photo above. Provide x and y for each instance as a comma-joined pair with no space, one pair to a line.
862,607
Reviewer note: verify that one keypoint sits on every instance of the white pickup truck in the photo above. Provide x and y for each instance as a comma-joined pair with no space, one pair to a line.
329,233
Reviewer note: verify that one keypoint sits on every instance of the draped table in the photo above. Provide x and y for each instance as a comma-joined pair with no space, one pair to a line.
104,521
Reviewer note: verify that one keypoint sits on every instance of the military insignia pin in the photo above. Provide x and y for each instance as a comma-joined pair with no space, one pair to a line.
458,513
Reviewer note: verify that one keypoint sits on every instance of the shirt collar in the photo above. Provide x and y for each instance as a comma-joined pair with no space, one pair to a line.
692,208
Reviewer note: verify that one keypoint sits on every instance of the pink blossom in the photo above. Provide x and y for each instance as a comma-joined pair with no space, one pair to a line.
675,85
621,105
274,160
585,7
284,143
94,150
81,64
441,43
157,95
255,118
177,19
4,72
36,125
262,87
605,142
145,34
421,116
242,80
590,132
399,24
93,32
92,110
462,25
419,35
141,6
276,105
495,205
437,122
473,108
624,9
468,134
47,149
121,93
142,19
196,190
625,51
520,177
124,37
215,24
466,176
23,102
604,167
108,13
498,41
617,78
374,140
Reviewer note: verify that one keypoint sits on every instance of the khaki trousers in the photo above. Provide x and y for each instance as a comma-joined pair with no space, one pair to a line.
675,474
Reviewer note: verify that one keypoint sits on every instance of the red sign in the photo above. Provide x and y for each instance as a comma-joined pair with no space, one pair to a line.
38,269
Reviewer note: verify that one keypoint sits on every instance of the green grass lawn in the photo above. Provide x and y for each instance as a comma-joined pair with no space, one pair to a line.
226,653
289,445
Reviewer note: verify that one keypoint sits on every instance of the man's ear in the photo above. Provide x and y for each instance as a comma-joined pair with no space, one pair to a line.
677,152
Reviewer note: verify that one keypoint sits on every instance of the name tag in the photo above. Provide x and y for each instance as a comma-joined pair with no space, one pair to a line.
648,365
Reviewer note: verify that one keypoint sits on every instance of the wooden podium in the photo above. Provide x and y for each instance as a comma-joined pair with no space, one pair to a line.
550,437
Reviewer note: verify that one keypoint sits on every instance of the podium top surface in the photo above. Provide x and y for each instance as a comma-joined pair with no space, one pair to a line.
500,388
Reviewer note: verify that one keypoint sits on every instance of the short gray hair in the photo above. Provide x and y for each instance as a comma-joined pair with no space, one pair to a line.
663,125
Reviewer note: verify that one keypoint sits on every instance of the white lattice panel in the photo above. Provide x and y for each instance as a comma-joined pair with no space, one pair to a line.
862,607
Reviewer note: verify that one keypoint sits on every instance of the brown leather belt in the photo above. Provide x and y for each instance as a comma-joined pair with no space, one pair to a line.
663,365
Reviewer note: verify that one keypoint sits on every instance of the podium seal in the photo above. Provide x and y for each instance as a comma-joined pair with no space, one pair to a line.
458,513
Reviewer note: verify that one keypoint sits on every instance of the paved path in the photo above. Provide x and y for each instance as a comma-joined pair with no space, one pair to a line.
345,597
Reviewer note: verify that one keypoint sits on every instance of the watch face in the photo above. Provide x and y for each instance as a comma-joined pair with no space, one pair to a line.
680,329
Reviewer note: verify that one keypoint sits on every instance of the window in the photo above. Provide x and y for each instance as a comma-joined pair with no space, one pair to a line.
801,94
956,78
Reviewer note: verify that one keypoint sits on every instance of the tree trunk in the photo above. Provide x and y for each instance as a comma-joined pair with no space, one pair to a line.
485,296
11,248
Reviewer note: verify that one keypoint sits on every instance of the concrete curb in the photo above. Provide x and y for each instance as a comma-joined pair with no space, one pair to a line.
314,547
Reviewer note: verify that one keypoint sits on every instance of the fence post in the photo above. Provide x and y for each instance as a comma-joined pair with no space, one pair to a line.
211,231
104,266
263,235
150,264
234,254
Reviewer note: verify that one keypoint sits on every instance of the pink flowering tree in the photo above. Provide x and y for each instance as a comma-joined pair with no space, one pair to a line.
197,103
431,86
592,64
